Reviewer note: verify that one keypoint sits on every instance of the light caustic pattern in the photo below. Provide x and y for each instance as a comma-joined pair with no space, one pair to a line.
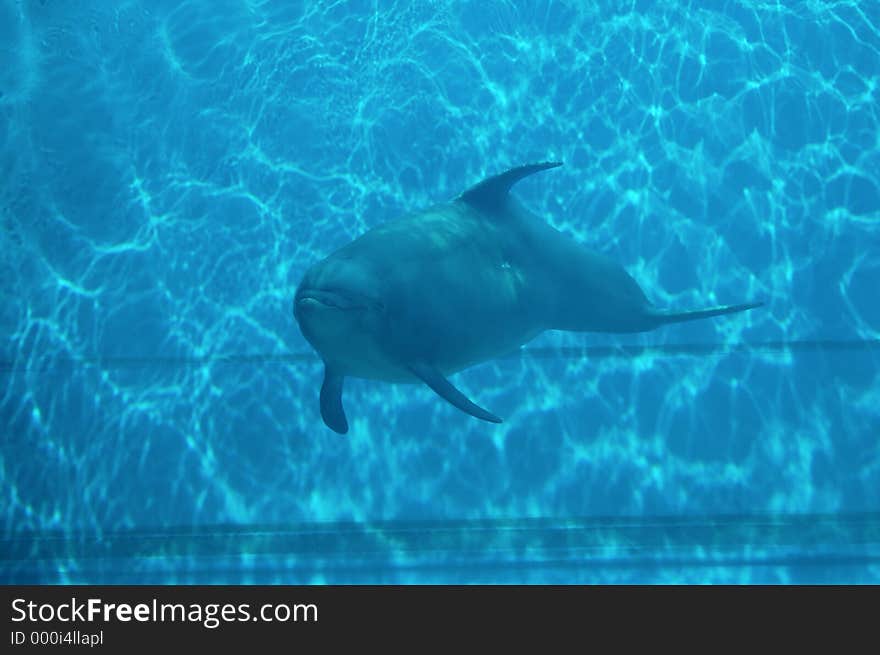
171,169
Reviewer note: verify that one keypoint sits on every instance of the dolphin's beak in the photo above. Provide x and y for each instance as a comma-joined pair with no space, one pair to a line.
327,299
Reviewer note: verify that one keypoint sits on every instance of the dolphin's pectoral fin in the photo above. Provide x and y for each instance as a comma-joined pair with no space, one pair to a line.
444,388
666,317
331,401
491,193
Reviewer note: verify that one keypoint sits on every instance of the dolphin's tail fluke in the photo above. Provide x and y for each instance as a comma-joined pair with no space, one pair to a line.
663,318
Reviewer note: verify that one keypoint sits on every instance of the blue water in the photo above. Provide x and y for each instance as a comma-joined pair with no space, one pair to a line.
170,170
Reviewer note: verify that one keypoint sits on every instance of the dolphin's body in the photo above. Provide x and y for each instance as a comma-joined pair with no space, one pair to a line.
422,297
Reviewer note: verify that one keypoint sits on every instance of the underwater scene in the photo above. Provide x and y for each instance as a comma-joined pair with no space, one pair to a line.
170,171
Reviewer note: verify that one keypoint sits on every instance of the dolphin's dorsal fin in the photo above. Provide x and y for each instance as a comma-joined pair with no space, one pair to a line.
444,388
491,193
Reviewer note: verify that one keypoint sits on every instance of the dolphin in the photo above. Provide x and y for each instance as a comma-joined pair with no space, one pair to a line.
424,296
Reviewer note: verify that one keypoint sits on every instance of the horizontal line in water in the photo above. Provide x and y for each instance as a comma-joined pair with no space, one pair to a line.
551,352
660,537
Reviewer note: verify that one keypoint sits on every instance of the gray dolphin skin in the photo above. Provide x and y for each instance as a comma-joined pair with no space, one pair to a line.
422,297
